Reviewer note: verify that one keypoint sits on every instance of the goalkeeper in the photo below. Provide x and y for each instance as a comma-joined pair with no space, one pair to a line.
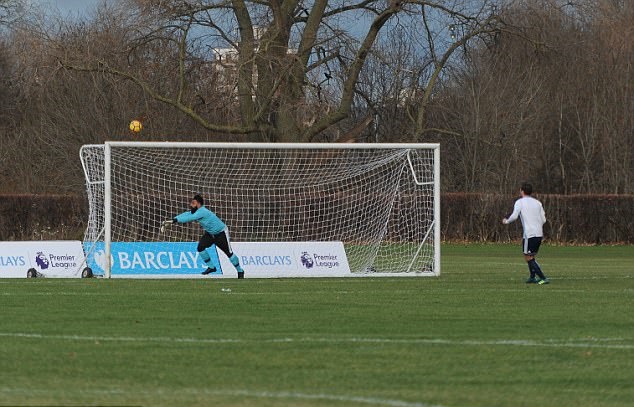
216,232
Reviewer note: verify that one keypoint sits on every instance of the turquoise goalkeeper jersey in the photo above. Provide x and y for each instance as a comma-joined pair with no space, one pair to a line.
209,221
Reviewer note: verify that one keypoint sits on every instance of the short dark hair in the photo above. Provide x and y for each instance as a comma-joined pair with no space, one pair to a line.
527,188
199,198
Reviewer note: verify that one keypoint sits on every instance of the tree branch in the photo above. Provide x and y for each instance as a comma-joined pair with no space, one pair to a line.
485,27
353,74
103,68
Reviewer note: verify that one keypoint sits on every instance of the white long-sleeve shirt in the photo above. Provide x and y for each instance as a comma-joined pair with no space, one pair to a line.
532,214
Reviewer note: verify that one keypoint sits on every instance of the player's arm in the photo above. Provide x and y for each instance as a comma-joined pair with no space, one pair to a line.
188,216
184,217
514,215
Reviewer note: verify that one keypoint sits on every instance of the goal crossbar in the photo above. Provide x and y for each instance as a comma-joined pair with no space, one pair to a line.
274,146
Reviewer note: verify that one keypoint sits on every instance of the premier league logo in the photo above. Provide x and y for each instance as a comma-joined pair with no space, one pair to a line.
307,260
100,259
41,260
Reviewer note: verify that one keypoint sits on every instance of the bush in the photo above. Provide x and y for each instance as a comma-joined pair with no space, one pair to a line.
571,218
590,218
42,217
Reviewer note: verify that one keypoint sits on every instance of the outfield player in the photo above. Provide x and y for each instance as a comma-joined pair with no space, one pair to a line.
216,232
531,212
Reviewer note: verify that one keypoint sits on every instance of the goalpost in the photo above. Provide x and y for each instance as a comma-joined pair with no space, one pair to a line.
381,200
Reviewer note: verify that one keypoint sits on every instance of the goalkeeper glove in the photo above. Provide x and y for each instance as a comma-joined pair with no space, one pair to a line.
167,223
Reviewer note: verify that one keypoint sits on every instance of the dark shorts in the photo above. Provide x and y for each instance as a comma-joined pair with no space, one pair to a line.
221,240
531,245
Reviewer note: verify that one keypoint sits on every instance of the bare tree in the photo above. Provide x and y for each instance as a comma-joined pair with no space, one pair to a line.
285,56
54,111
545,99
539,90
11,11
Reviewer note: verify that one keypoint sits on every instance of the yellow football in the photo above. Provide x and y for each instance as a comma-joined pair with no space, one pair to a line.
136,126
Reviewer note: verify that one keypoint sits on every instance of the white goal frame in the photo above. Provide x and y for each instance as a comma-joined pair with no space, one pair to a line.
434,231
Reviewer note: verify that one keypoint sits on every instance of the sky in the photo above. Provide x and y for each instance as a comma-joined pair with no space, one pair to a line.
70,6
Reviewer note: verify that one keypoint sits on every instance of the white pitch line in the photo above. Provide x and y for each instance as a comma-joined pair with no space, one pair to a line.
53,293
119,338
551,343
235,393
321,396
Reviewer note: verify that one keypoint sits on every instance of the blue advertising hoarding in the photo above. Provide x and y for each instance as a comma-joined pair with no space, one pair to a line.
149,258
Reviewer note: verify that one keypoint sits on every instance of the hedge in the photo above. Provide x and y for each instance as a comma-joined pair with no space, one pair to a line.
587,219
581,219
42,217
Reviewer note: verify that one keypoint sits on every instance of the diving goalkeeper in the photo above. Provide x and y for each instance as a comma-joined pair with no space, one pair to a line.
216,232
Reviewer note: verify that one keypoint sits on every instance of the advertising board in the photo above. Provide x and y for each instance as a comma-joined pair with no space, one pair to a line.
49,258
259,259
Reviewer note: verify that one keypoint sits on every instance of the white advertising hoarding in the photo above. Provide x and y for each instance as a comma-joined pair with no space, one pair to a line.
289,259
50,258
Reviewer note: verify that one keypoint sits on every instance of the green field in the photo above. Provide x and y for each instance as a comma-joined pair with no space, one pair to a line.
476,336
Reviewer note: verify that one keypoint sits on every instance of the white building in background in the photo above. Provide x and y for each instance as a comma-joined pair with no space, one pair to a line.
228,57
225,66
224,58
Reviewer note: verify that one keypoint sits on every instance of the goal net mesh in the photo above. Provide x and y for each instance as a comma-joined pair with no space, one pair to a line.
378,201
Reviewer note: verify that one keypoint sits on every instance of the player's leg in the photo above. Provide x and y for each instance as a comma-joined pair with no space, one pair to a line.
532,279
533,248
206,241
223,242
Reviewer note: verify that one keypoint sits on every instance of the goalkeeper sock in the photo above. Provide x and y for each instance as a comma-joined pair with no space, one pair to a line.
207,259
536,269
236,263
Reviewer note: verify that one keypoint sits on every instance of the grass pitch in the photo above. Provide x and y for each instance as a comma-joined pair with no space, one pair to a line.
476,336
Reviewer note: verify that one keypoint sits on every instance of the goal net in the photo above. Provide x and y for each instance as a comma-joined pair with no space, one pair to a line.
380,200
